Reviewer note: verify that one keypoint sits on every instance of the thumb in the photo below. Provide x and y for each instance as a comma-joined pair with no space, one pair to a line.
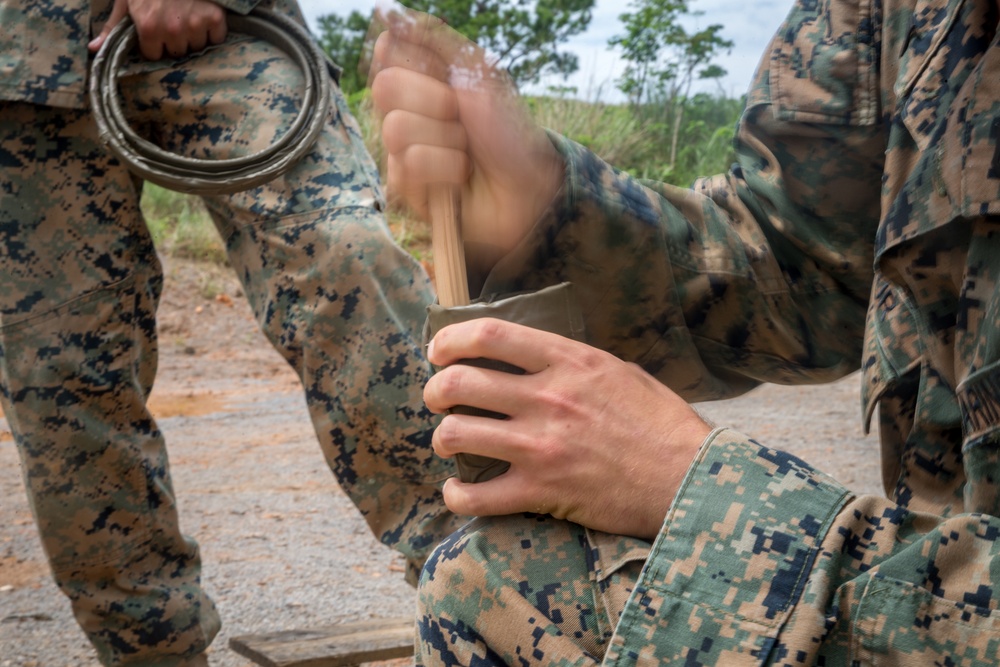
118,12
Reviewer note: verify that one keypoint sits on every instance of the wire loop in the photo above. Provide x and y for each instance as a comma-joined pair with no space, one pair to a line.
213,177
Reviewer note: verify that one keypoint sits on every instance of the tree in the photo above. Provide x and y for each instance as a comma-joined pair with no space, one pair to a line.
664,59
524,35
344,41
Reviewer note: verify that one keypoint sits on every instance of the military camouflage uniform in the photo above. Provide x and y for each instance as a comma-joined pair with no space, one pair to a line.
861,225
80,283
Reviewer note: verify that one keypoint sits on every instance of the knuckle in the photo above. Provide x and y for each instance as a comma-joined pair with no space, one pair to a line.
381,89
589,357
447,437
549,452
487,333
432,394
394,182
560,510
145,29
561,404
174,26
471,505
451,384
198,24
394,130
414,159
382,48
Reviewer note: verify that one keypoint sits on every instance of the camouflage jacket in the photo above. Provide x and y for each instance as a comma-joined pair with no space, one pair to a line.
859,228
43,46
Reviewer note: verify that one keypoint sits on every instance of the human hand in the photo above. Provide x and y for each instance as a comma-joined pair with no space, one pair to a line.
451,117
168,27
590,438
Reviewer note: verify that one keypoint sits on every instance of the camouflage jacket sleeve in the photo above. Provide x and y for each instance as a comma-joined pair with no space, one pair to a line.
759,275
764,275
764,560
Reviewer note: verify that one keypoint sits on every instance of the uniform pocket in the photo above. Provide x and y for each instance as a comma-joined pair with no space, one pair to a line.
77,379
949,109
899,624
923,64
886,359
970,149
979,400
930,61
827,72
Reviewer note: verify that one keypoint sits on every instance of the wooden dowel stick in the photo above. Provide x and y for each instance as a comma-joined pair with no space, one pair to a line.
449,253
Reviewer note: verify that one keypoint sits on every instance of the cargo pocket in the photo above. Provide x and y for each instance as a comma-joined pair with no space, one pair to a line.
970,148
924,85
828,72
885,361
76,378
899,624
945,97
616,564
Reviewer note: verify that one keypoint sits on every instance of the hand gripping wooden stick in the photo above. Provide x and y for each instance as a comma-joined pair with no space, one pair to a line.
453,290
449,253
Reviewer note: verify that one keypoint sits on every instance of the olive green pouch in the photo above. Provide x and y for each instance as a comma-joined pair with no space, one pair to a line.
554,309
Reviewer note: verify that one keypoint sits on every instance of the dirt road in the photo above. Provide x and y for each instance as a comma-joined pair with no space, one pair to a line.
283,547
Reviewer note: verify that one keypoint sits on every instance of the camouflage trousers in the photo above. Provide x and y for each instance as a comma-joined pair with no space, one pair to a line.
524,590
81,280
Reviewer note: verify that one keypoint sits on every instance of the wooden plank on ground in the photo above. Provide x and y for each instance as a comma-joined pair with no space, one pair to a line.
330,646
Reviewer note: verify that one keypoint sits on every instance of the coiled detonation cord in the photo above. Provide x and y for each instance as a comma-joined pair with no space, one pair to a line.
213,177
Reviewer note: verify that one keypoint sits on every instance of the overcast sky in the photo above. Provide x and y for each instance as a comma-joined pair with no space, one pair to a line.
749,24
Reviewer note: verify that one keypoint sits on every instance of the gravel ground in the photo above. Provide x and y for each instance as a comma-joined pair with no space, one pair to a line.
283,547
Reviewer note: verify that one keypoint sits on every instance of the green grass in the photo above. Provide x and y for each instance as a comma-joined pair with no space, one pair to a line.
180,225
611,131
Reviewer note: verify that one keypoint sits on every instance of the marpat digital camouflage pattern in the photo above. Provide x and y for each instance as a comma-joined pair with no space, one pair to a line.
80,283
861,227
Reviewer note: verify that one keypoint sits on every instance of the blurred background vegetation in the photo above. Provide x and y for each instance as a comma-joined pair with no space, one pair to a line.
660,131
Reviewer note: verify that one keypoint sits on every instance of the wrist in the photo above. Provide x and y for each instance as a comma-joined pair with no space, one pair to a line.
684,446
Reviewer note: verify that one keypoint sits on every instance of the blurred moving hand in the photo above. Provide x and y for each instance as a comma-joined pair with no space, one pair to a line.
450,117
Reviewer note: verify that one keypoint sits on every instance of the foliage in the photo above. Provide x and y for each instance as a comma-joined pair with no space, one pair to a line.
661,54
664,59
180,225
525,36
343,39
611,131
704,144
621,135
